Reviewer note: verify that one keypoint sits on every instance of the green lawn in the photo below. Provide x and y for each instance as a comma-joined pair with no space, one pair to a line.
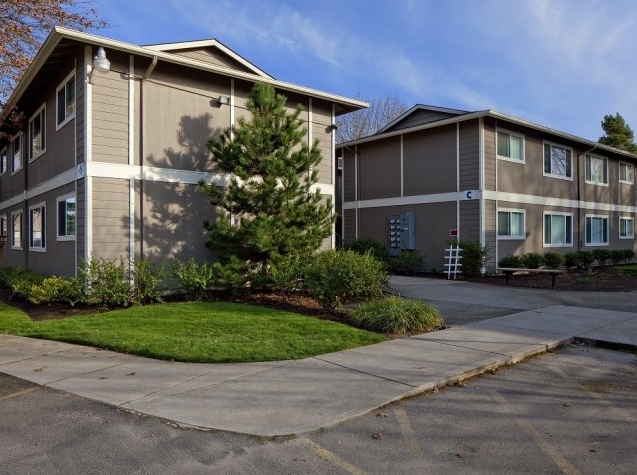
196,332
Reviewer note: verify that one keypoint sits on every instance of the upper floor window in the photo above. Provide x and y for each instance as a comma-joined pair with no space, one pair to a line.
511,223
16,228
626,172
66,101
626,228
510,145
558,161
596,170
66,218
3,160
37,134
37,227
558,229
16,157
596,230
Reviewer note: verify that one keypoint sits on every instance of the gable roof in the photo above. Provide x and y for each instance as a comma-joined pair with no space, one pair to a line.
60,43
402,125
420,114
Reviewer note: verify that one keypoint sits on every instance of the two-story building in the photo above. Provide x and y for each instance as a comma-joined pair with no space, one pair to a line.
113,145
438,174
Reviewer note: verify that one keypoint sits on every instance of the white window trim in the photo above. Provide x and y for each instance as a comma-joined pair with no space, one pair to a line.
13,214
515,134
515,237
555,213
41,110
626,181
57,220
596,244
19,136
551,175
4,153
44,236
619,229
68,118
591,182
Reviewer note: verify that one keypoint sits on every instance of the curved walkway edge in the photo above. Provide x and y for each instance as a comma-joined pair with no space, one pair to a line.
293,397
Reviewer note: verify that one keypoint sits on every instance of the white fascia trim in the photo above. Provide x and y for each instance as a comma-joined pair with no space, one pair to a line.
14,200
557,202
404,200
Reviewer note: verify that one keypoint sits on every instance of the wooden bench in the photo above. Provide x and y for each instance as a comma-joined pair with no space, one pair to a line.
509,271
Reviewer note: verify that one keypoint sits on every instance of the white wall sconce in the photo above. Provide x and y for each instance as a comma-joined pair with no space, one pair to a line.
100,63
224,100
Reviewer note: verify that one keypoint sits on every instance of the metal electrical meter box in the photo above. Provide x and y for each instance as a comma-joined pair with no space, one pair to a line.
401,233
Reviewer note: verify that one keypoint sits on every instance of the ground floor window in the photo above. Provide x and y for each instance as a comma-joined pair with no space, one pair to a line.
4,228
596,230
37,227
558,229
16,230
511,224
66,218
626,228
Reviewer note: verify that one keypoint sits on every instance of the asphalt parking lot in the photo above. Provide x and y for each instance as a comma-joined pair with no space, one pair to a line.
572,411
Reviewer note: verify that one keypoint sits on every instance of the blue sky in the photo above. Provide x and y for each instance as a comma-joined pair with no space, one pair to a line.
561,63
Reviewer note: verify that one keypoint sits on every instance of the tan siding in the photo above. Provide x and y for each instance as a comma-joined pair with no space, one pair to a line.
469,155
110,119
470,220
489,159
110,218
212,56
325,145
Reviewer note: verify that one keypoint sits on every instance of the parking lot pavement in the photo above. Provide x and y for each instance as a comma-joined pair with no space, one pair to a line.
572,411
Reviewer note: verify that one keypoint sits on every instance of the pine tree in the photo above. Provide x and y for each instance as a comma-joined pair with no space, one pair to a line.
268,208
618,133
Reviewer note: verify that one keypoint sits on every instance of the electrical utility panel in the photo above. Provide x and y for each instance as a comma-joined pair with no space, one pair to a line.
401,233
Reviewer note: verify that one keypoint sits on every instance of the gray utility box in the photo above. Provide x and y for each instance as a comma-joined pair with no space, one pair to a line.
401,233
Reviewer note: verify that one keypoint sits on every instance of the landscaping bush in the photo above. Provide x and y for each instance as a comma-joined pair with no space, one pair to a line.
616,256
20,280
511,261
629,254
601,256
334,277
585,259
364,246
68,290
107,282
148,280
406,262
571,259
286,274
396,315
474,256
194,279
553,260
532,260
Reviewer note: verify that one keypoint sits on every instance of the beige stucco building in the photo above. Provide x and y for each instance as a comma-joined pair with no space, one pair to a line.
107,163
510,184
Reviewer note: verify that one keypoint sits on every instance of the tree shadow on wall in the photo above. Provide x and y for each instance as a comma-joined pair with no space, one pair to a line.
172,212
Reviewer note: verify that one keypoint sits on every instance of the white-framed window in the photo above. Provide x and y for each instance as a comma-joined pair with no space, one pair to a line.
37,133
596,170
65,104
558,161
626,173
16,153
626,227
16,230
37,227
510,145
596,230
511,223
558,229
4,228
3,161
66,218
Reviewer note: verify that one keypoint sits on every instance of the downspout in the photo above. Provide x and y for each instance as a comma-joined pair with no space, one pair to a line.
142,150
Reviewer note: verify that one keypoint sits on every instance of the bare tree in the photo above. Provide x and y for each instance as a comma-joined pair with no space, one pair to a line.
24,25
364,122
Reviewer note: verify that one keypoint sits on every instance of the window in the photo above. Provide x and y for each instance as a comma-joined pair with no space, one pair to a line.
37,134
16,228
66,101
37,227
596,230
626,172
66,218
558,161
16,161
558,229
3,161
511,224
626,228
596,170
510,146
4,228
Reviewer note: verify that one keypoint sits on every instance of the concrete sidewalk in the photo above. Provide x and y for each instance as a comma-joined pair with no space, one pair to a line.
292,397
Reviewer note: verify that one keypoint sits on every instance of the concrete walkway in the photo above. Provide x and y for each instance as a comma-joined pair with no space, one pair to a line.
292,397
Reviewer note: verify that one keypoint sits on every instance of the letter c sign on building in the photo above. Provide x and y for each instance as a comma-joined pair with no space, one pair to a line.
470,195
